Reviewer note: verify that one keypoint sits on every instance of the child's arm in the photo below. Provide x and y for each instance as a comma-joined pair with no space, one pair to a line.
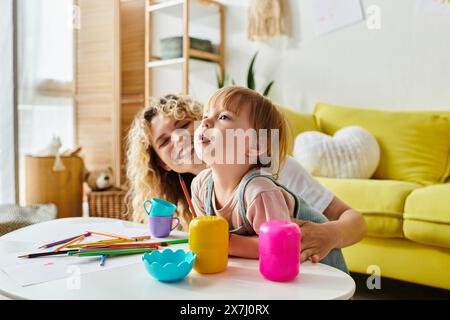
349,223
268,205
244,246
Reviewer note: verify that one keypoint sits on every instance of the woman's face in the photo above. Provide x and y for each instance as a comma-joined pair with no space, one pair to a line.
172,141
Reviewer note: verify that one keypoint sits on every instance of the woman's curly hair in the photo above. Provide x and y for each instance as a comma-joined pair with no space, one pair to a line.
146,178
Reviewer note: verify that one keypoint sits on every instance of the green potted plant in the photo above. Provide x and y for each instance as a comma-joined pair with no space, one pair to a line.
251,84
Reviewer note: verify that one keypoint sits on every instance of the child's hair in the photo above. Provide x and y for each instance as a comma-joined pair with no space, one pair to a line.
146,178
263,115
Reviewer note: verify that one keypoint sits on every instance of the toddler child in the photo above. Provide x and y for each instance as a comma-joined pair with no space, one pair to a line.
236,186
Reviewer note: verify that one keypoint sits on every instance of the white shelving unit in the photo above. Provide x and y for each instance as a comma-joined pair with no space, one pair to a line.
191,10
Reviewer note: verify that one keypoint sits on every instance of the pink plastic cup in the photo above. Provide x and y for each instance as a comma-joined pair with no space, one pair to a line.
279,250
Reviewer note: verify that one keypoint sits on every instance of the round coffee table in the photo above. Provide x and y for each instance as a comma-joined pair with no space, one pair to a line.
241,280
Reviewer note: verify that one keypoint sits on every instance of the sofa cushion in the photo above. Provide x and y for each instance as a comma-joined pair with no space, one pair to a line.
299,121
427,215
414,146
380,201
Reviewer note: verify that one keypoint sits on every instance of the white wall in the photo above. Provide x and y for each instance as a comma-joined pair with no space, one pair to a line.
403,66
7,165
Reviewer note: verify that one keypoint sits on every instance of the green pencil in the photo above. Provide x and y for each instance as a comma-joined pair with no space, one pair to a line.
175,241
110,252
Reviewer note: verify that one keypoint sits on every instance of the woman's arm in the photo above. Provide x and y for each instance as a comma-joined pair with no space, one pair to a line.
346,227
349,224
244,246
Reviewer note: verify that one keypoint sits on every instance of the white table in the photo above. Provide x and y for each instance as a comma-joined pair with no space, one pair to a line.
241,280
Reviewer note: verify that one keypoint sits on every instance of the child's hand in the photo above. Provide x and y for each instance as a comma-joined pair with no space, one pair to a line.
317,240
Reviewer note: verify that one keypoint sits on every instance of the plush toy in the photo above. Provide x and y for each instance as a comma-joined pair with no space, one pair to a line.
99,180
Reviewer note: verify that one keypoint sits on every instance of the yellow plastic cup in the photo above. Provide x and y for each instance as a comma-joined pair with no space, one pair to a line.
208,239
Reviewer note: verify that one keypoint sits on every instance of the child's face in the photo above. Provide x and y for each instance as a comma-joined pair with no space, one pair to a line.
224,136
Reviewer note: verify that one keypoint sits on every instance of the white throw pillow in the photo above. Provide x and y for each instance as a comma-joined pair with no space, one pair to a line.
352,152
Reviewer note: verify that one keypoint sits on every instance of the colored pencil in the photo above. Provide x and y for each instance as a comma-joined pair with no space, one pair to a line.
44,254
122,246
154,245
102,261
49,245
108,234
176,241
80,238
111,252
136,245
151,245
186,194
137,239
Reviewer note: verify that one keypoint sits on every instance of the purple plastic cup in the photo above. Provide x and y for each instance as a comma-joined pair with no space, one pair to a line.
160,227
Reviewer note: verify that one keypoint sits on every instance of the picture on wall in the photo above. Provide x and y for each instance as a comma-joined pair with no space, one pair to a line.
330,15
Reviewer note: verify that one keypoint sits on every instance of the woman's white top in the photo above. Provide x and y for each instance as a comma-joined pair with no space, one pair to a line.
298,180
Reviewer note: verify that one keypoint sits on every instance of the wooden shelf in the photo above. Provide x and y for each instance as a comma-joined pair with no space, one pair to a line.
161,63
198,8
193,54
163,5
213,57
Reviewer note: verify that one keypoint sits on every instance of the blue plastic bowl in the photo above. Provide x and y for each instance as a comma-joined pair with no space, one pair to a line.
169,265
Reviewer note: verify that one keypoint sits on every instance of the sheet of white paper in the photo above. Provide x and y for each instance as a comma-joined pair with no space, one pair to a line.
34,271
74,229
329,15
434,6
49,269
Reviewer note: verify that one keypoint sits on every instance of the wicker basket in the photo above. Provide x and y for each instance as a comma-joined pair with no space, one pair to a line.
107,204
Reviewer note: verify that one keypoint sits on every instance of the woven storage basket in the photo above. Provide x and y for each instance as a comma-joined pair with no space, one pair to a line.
107,204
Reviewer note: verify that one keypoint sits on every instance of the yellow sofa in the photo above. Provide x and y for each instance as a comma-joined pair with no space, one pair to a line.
407,201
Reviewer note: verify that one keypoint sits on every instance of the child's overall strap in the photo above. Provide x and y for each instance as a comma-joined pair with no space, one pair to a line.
209,205
208,198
